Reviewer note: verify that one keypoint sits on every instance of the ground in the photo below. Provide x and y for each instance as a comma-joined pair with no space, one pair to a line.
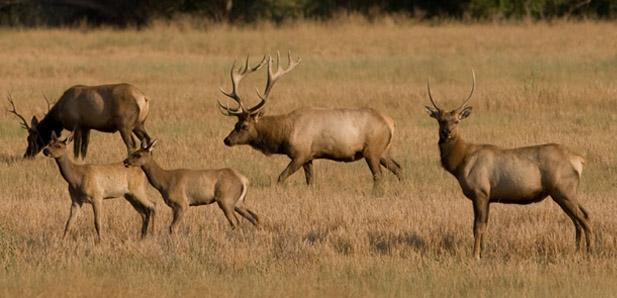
536,83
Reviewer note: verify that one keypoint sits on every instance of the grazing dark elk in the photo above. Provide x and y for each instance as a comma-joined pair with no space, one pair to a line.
489,174
310,133
93,183
106,108
182,188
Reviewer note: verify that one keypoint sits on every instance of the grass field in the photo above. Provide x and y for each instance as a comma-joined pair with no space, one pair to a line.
537,83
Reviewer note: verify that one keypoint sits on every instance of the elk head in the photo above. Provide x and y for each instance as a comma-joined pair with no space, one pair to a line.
448,121
35,140
141,156
245,131
57,147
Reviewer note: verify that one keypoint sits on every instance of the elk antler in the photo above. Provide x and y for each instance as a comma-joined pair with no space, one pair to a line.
24,123
236,77
430,96
49,104
273,77
473,87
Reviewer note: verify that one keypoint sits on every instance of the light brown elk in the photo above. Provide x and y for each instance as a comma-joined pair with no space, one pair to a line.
106,108
93,183
489,174
182,188
306,134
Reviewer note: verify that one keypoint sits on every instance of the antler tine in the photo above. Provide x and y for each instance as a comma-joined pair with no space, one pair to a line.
273,77
473,87
227,111
236,77
430,96
24,123
47,101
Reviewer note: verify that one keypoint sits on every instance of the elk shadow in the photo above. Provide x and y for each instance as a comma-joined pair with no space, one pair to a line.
387,242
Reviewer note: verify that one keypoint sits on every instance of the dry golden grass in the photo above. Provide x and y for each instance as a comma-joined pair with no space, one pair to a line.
536,83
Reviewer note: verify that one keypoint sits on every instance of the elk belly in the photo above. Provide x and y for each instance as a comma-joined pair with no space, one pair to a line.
517,184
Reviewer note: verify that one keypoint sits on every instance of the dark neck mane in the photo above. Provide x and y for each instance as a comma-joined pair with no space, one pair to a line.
273,134
453,152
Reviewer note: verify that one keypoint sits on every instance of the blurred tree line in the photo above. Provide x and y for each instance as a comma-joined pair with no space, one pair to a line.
142,12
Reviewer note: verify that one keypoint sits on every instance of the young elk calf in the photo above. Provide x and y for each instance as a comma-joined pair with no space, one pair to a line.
93,183
489,174
182,188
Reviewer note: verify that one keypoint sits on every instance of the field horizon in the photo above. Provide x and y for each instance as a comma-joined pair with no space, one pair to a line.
536,83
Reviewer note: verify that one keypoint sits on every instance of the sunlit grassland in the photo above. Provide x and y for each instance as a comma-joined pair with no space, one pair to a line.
535,84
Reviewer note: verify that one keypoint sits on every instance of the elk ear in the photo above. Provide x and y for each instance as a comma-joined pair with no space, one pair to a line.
34,122
69,139
53,136
465,112
151,145
432,112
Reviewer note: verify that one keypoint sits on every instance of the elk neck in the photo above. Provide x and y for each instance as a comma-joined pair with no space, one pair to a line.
272,134
49,124
157,176
453,152
70,171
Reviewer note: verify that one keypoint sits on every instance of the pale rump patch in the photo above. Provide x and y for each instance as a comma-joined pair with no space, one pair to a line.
144,107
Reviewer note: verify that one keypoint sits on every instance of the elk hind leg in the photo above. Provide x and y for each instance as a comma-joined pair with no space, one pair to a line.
142,135
373,164
128,140
143,211
579,218
249,215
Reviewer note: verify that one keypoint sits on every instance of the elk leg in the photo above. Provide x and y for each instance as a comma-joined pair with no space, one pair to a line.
373,164
247,214
480,211
127,137
292,167
178,213
142,135
229,214
75,208
579,217
76,142
141,209
85,139
308,172
393,166
96,208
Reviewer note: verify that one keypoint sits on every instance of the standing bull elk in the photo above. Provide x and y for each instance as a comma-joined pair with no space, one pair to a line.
489,174
106,108
309,133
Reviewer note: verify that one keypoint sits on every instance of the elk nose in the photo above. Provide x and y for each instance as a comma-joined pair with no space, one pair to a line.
126,163
45,152
227,142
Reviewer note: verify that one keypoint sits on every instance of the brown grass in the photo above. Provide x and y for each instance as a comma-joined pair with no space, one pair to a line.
536,83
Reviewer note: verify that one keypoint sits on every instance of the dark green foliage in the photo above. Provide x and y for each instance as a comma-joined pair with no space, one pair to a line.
139,12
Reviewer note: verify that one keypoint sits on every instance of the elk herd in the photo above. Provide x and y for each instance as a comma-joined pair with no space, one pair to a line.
486,173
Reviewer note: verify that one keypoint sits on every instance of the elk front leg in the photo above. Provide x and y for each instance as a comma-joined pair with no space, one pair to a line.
85,139
292,167
178,213
308,172
77,142
480,211
96,208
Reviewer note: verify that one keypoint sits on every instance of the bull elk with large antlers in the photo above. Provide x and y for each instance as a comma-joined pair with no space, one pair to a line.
306,134
489,174
106,108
